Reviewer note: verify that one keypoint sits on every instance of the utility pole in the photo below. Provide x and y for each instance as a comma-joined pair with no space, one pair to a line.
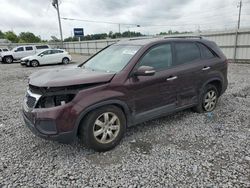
237,31
240,5
56,5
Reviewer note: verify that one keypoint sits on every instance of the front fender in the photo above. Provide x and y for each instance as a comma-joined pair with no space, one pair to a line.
119,103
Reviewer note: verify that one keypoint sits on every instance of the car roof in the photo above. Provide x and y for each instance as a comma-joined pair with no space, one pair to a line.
146,41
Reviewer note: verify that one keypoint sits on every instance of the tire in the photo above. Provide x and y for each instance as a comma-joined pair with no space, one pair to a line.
8,59
65,61
94,123
208,99
34,63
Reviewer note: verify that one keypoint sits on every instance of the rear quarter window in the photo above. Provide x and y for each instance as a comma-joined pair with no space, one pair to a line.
205,52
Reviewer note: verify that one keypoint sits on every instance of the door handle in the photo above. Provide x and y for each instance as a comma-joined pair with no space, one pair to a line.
172,78
206,68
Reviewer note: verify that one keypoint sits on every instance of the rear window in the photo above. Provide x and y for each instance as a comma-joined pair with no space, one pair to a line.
42,47
28,48
205,52
186,52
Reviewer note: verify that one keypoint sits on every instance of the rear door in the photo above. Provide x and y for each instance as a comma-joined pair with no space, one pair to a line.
29,50
59,56
188,67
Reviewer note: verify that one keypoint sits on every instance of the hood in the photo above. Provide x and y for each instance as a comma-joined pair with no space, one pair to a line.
27,58
6,53
68,77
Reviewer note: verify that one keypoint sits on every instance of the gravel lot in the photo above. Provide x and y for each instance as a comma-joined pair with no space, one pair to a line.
185,149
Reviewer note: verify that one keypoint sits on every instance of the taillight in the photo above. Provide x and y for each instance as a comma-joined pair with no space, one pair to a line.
227,61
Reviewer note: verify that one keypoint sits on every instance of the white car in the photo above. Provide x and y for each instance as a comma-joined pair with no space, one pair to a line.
3,50
46,57
20,52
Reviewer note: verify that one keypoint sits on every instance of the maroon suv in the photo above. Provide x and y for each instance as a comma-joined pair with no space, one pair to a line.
124,84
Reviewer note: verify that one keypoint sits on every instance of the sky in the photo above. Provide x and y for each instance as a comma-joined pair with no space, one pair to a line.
153,16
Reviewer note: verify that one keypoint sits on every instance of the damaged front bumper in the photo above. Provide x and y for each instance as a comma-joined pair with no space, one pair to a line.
47,130
56,123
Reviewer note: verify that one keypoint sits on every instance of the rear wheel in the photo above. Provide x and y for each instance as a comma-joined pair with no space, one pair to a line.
103,128
208,99
34,63
65,60
8,59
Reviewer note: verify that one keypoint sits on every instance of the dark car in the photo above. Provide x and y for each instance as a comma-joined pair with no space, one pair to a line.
123,85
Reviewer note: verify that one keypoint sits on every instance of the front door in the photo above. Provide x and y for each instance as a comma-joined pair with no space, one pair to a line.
153,95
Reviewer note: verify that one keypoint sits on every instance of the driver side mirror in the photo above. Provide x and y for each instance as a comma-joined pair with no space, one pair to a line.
41,55
144,71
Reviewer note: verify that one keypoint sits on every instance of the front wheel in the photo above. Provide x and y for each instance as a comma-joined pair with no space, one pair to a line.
8,59
103,128
34,63
208,99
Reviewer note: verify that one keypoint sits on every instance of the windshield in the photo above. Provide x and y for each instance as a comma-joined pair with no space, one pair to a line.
112,59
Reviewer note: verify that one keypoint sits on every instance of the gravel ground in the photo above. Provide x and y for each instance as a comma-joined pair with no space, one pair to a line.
185,149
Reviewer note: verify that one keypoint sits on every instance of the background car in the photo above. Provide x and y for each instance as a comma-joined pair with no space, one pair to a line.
3,50
51,56
20,52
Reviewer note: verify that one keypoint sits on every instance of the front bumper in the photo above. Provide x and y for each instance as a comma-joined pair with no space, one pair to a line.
26,62
1,59
46,129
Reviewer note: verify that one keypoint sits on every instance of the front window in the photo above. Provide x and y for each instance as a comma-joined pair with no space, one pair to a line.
19,49
46,52
112,59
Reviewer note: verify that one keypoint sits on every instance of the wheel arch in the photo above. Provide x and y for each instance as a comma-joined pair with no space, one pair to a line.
7,56
120,104
217,82
65,57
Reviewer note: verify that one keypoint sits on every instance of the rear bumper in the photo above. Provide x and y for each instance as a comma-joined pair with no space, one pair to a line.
46,129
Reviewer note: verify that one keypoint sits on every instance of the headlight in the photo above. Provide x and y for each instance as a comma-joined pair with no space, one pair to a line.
52,101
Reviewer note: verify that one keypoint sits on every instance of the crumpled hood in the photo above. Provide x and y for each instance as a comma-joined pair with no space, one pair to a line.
68,77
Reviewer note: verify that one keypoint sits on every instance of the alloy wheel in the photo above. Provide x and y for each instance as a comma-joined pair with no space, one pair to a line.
106,127
210,100
65,61
8,59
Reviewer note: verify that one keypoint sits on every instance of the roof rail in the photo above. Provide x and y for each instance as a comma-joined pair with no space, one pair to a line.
140,38
183,36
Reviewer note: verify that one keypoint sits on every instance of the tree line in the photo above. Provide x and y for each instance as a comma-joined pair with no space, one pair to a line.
23,37
28,37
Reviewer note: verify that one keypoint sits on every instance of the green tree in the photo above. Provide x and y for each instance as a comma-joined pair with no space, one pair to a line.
28,37
70,39
2,35
11,36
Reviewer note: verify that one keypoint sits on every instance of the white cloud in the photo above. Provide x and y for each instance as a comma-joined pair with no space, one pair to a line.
40,17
